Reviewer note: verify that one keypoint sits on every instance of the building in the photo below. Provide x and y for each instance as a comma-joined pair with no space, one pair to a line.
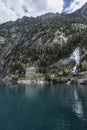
30,71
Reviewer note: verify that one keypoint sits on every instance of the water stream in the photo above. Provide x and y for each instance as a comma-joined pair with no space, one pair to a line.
75,56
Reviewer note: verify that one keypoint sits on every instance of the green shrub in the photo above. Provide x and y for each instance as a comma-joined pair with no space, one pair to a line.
84,65
47,77
14,77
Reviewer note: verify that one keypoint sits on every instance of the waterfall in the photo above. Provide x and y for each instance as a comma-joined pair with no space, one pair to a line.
76,56
68,82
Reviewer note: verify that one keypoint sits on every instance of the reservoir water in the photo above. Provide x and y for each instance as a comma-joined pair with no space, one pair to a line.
47,107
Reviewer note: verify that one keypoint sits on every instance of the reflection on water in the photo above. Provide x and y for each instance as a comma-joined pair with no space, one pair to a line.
33,90
77,105
47,107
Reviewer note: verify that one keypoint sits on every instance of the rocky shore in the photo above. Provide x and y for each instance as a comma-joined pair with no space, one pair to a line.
32,82
79,78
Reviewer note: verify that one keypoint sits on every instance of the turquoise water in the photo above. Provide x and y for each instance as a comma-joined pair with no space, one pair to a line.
49,107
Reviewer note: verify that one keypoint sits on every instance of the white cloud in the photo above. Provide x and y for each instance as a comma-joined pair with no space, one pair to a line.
13,9
76,4
56,5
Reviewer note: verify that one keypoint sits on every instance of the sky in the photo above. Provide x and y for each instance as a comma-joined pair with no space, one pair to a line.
14,9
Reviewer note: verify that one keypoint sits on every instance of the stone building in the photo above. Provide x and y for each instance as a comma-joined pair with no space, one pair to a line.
30,71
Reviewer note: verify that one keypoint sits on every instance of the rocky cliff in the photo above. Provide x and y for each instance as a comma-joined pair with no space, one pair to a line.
42,42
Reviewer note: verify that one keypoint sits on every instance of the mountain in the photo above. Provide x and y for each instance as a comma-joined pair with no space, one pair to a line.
49,15
84,11
81,13
42,42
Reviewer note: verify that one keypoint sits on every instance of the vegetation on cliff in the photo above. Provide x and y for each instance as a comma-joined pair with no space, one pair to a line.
42,43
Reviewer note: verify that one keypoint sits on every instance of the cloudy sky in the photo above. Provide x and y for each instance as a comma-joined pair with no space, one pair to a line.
13,9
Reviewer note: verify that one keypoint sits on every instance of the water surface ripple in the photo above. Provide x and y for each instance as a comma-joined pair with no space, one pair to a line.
47,107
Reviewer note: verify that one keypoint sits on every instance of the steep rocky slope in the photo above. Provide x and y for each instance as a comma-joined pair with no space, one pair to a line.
81,13
42,42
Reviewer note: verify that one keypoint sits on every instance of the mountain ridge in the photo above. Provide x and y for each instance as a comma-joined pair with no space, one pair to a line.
41,41
80,12
50,15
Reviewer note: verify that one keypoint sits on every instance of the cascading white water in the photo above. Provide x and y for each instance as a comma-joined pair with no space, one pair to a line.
68,82
76,56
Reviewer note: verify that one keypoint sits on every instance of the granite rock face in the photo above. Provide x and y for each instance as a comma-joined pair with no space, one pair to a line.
46,42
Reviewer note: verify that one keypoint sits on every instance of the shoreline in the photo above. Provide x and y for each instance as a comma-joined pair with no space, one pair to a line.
40,82
62,80
78,78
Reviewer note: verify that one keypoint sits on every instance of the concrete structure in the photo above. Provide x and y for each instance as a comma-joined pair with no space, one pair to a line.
30,71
